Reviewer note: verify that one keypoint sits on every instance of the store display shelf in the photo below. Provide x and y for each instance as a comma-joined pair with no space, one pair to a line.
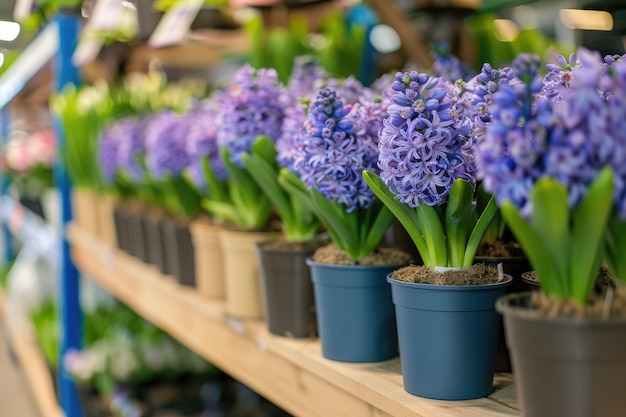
31,361
290,372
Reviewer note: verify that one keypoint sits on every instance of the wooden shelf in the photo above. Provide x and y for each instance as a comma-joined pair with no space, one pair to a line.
32,362
291,373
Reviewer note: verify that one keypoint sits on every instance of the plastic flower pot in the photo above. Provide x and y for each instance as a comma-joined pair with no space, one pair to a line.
514,266
155,240
106,224
180,260
355,314
209,269
244,297
121,228
85,210
287,290
137,239
565,366
448,336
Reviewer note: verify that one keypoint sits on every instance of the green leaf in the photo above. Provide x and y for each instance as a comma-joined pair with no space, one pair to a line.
383,219
405,215
534,247
220,210
433,232
550,220
484,222
340,231
589,223
216,188
458,220
616,247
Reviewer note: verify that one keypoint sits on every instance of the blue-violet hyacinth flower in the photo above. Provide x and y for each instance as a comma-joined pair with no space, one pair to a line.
332,156
132,147
202,140
424,147
251,107
166,144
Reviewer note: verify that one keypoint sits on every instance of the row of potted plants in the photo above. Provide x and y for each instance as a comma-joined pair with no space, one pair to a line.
443,156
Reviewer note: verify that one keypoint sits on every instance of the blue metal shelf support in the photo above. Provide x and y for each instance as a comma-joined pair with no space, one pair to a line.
71,314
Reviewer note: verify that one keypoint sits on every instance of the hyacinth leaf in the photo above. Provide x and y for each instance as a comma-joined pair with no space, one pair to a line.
589,223
216,188
405,215
433,232
550,220
337,224
616,247
534,247
458,220
383,218
220,210
482,225
188,199
496,226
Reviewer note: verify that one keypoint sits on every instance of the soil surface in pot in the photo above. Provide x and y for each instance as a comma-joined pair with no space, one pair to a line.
288,246
603,279
500,249
478,274
331,254
610,303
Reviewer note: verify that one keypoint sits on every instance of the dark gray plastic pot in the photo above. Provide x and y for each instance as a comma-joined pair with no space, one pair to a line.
288,291
448,336
137,236
155,241
514,266
121,229
179,250
355,314
570,367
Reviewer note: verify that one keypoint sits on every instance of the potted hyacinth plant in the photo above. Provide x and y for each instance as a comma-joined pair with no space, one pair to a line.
250,107
553,156
166,160
286,278
427,180
353,302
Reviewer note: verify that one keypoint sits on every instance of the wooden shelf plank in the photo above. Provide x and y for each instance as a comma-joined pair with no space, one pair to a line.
32,363
290,372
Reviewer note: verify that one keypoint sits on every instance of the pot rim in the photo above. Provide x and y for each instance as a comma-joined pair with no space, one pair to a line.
311,262
504,307
501,258
481,287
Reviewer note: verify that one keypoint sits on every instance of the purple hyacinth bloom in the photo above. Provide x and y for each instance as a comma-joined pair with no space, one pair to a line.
570,140
447,66
424,145
202,140
120,146
252,106
166,144
333,150
305,76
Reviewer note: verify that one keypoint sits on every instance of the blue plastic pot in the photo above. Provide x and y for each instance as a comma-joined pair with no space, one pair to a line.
355,314
448,336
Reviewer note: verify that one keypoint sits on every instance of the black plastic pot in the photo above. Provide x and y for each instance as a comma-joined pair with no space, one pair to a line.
155,241
288,291
564,366
515,267
180,261
137,236
121,229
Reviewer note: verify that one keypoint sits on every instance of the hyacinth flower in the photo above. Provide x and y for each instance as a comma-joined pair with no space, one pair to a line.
335,145
166,160
251,107
427,171
557,170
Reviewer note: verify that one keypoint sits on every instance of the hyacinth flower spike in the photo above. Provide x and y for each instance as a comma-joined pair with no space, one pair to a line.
334,147
427,171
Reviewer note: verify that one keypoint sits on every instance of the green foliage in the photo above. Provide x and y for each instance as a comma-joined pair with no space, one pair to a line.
82,113
165,5
444,236
358,233
565,246
338,47
239,200
299,222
